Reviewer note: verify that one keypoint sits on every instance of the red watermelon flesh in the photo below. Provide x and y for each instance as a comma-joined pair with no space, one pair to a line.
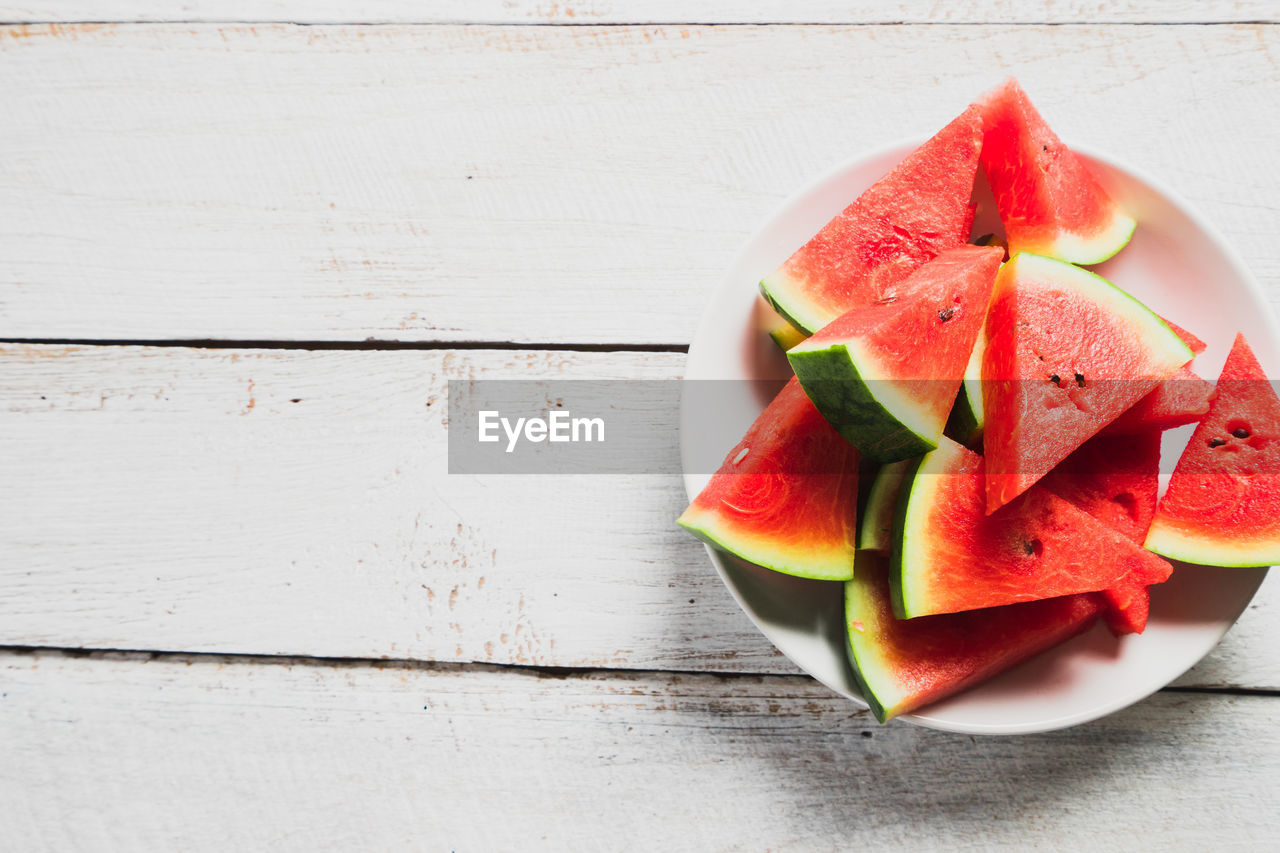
918,210
885,375
1181,399
903,664
1128,608
786,496
951,556
1222,506
1049,201
1115,479
1066,353
1196,345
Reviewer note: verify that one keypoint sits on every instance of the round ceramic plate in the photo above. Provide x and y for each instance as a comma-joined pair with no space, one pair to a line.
1179,266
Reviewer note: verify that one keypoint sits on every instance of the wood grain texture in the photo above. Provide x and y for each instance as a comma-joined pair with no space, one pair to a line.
528,184
180,499
201,754
330,525
649,11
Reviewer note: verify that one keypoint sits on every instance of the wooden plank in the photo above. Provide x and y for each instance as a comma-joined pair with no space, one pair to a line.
180,499
207,754
649,11
530,184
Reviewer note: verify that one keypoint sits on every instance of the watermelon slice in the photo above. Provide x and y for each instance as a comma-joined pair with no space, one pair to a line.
949,555
1222,507
786,496
1128,608
1066,353
1115,479
964,424
1181,399
786,335
901,665
919,209
1196,345
885,375
1049,201
783,334
875,533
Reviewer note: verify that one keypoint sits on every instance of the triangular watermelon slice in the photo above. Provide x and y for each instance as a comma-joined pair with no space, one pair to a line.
950,556
786,496
964,424
906,218
786,335
783,334
1049,201
875,528
903,664
1115,479
1222,506
1196,345
885,375
1067,352
1181,399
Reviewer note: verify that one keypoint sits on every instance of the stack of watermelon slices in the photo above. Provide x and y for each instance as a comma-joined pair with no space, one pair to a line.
1014,406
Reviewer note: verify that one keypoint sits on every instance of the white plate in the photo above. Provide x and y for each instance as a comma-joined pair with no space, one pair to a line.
1179,266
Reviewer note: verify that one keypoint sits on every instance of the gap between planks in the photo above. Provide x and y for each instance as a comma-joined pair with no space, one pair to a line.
407,664
371,344
410,665
663,22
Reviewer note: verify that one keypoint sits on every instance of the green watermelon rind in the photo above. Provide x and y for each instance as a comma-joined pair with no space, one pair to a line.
778,284
905,534
876,531
842,381
1242,544
886,688
1155,336
1071,248
786,335
913,559
967,418
866,665
711,528
1102,287
1165,539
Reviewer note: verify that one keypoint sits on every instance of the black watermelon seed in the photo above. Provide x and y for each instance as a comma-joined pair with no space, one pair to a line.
1080,380
946,314
1241,432
1217,442
1055,379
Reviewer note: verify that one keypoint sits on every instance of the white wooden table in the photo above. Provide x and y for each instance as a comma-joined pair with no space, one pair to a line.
243,246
